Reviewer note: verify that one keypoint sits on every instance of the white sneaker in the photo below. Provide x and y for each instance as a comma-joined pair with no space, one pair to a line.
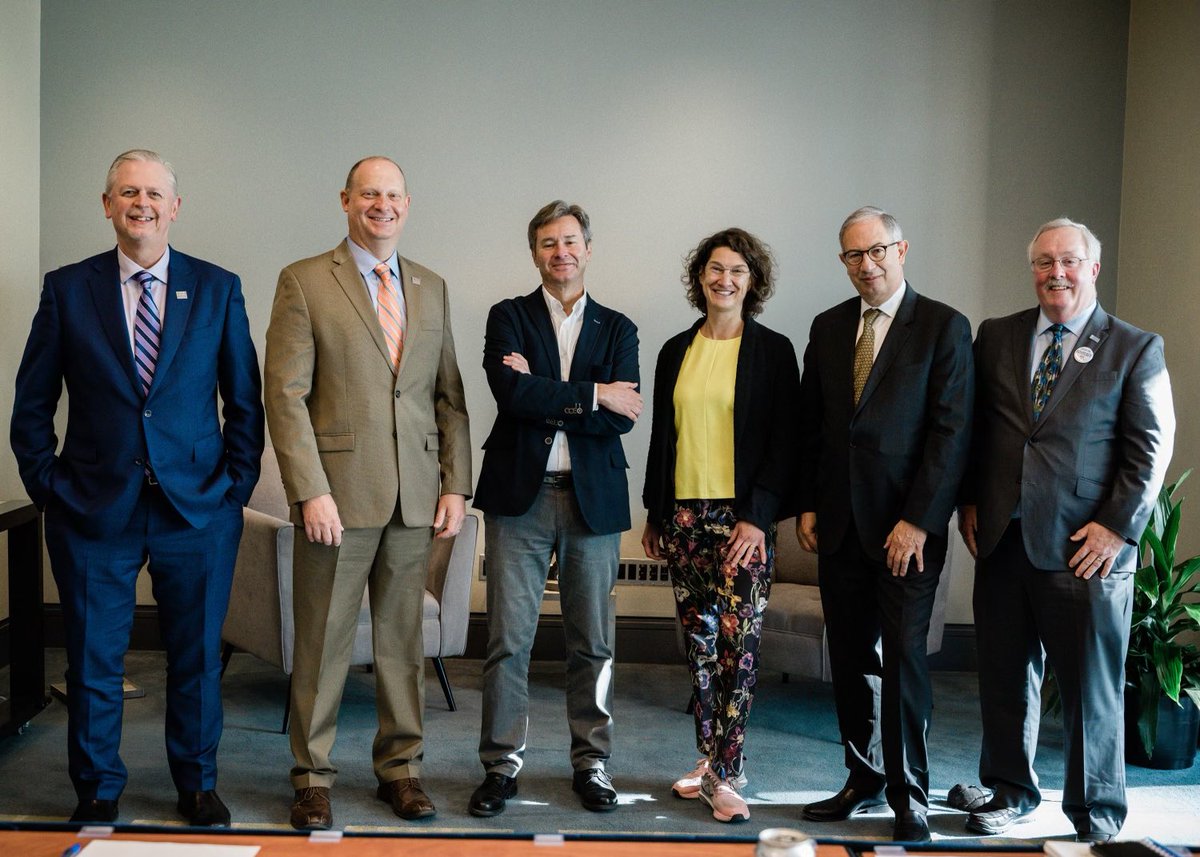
688,786
723,798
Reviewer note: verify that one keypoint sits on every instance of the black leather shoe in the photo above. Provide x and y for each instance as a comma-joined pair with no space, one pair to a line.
911,827
849,801
203,809
492,795
91,809
1094,838
595,790
993,818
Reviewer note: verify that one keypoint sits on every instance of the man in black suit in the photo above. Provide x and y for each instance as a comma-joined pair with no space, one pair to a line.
564,372
1074,429
886,400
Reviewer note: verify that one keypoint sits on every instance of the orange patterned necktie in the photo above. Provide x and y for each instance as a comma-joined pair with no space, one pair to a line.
864,352
391,319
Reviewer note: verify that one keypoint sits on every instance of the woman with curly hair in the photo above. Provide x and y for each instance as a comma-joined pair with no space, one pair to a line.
720,465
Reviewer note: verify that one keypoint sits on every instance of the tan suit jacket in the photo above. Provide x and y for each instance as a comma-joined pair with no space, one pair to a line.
340,422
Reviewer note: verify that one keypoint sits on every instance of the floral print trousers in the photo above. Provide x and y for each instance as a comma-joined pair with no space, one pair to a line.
720,607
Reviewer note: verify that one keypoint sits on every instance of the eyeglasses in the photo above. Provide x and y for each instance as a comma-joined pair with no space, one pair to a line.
1044,263
718,271
854,258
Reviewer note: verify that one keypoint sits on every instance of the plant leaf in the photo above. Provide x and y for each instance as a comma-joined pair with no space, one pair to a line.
1168,665
1148,693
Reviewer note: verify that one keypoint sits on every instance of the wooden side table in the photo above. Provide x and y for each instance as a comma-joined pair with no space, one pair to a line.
27,634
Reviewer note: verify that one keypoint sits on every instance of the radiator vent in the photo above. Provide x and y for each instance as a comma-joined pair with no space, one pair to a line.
638,571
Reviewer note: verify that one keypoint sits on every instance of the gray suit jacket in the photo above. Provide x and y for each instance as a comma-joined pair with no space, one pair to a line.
1099,452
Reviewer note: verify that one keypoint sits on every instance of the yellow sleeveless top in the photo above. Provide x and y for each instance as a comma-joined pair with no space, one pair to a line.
703,401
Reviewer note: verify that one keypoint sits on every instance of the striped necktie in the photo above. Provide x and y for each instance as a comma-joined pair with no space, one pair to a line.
1047,371
147,330
391,319
864,351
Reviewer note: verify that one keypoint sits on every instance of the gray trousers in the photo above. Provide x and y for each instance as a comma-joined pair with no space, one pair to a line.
1083,628
518,550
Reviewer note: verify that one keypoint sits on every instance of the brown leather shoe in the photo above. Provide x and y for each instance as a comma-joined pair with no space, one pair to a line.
407,798
311,809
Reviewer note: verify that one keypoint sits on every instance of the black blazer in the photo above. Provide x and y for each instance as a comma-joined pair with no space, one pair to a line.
532,408
900,454
765,400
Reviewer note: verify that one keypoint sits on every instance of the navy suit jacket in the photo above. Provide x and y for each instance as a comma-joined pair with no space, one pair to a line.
765,404
899,454
533,407
80,337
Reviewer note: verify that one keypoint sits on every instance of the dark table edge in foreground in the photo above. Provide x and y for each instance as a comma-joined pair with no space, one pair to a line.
27,636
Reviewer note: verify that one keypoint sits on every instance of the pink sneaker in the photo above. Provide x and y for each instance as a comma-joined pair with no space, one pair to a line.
723,798
688,786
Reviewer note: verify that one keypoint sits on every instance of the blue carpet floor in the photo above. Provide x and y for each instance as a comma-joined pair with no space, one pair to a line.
792,747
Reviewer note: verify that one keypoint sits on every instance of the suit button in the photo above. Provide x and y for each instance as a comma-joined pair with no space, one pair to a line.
397,394
147,414
549,441
393,432
1033,440
139,462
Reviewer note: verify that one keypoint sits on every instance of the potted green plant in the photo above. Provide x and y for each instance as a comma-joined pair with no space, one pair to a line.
1162,669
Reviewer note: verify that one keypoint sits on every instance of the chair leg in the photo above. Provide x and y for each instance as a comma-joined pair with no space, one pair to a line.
287,708
226,654
441,674
785,678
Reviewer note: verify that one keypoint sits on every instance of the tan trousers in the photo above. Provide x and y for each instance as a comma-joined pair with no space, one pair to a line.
327,589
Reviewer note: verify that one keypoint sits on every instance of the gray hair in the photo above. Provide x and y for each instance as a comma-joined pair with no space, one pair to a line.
869,212
1090,242
139,155
552,211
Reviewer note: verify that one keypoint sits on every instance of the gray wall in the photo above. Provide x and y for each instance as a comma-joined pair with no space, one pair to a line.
1160,214
20,48
667,120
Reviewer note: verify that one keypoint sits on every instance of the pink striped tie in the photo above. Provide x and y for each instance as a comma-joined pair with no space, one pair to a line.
390,317
146,332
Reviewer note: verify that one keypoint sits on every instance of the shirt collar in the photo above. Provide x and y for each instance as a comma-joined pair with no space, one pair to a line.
889,306
128,267
366,263
556,308
1074,325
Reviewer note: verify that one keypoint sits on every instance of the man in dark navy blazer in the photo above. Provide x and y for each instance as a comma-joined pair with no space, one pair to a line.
885,399
145,338
564,372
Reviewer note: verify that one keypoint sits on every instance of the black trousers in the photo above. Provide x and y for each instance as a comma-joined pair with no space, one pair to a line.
878,627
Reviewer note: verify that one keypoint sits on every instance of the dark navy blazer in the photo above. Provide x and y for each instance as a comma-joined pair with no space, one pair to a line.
533,407
80,336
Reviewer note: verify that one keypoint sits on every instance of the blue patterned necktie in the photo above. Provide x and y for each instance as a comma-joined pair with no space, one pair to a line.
1047,371
146,332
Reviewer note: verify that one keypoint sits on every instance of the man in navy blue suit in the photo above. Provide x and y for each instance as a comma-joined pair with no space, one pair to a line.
145,338
564,372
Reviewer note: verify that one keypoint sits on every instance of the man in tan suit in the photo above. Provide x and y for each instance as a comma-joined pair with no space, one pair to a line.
368,419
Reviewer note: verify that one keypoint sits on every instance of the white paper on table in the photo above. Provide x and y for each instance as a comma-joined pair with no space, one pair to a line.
134,848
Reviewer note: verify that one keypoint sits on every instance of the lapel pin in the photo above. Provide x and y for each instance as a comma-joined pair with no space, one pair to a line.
181,296
1094,337
1084,354
416,281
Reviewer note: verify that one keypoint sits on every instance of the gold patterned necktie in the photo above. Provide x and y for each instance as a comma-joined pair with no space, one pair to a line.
391,319
864,351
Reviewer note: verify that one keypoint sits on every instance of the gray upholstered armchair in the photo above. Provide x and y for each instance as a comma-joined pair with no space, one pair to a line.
793,637
260,619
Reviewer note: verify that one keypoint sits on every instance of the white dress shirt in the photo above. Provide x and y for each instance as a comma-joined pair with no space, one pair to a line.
566,331
131,289
883,321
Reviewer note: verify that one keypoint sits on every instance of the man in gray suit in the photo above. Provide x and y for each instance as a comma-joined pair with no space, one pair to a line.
1073,433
